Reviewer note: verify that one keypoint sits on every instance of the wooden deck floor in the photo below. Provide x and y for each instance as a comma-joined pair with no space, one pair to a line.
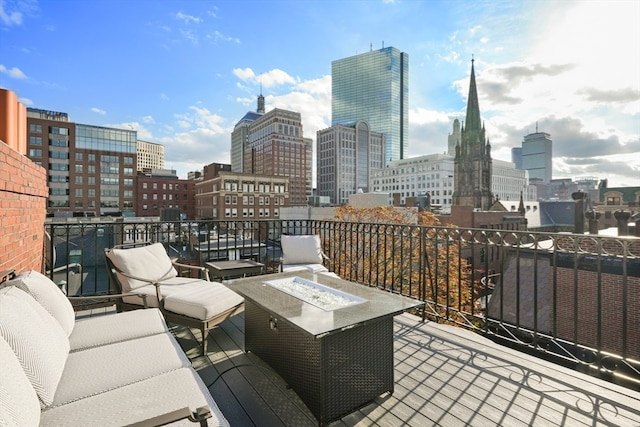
444,376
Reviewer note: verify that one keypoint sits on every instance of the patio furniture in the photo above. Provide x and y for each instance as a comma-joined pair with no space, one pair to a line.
192,302
234,268
120,369
336,355
302,253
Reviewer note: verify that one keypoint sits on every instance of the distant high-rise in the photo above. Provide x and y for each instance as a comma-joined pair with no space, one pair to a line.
275,146
472,163
239,136
374,86
454,138
346,158
536,156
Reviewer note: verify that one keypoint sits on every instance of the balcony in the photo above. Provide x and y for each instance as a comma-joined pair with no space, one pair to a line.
519,328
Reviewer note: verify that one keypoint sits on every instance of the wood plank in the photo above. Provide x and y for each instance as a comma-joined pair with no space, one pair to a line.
443,376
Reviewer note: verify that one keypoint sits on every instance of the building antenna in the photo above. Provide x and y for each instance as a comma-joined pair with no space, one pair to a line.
536,126
383,44
370,47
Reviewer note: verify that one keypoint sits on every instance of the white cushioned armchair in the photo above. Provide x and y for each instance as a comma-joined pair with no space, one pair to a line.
302,253
148,276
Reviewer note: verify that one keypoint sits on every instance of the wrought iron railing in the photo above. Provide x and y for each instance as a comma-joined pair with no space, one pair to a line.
568,297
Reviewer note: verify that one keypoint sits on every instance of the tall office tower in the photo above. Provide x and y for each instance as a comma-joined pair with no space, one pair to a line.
374,86
536,156
472,162
346,158
275,146
150,156
516,156
90,169
454,138
240,136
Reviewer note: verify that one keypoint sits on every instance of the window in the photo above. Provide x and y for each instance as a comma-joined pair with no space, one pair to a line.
35,153
78,157
79,179
91,169
78,168
35,140
613,200
91,157
144,196
58,131
36,128
144,185
91,192
91,180
78,192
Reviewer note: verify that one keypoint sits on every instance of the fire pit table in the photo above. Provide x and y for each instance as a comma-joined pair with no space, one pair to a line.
331,340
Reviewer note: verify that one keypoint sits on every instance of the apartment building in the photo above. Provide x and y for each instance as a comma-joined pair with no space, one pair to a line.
223,194
90,169
161,189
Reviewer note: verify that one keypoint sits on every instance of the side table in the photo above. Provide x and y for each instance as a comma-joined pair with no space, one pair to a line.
232,269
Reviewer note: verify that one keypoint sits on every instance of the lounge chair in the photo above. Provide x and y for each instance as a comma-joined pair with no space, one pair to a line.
148,271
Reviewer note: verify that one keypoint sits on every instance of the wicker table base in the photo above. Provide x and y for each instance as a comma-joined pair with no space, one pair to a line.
334,374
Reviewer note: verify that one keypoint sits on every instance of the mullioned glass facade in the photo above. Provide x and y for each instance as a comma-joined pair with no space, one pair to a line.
374,86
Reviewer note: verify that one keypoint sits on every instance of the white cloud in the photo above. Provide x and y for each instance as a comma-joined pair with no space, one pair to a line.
148,119
98,111
188,19
14,72
269,79
8,17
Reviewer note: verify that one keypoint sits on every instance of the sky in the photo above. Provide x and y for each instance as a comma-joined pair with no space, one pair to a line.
183,73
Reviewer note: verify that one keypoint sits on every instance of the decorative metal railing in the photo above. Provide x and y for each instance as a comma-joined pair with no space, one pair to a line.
571,298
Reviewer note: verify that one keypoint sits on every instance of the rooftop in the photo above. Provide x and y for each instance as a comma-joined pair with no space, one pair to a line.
443,376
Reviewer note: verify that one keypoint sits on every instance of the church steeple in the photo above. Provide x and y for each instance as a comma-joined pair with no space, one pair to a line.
472,163
260,102
472,121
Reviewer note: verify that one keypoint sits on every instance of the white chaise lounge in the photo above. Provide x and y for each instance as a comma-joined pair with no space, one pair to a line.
113,370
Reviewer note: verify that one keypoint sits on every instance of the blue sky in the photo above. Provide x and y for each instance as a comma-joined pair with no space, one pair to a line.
182,73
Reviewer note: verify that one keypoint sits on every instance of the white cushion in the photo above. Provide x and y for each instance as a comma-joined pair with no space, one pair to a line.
19,404
100,369
49,296
202,300
314,268
301,249
138,402
36,338
102,330
147,262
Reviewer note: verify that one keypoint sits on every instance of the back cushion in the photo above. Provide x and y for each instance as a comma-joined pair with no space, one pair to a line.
148,262
36,338
49,296
19,404
301,250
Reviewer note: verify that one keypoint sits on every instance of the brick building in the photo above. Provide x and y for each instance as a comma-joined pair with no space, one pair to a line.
223,194
161,189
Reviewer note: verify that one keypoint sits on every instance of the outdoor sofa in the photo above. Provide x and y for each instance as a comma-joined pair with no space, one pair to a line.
112,370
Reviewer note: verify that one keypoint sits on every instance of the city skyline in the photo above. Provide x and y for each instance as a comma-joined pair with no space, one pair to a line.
183,73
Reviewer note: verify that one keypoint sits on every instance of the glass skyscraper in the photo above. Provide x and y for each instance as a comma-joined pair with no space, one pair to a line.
374,86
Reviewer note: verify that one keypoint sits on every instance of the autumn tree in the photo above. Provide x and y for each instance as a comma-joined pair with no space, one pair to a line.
404,251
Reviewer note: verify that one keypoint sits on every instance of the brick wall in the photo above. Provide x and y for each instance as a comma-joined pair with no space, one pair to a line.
578,304
23,201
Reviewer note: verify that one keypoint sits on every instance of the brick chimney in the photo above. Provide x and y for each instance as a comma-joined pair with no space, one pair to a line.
578,222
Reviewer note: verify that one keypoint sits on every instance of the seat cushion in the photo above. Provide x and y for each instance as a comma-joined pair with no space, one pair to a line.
202,300
103,330
100,369
49,296
314,268
138,402
36,338
19,403
301,249
149,262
